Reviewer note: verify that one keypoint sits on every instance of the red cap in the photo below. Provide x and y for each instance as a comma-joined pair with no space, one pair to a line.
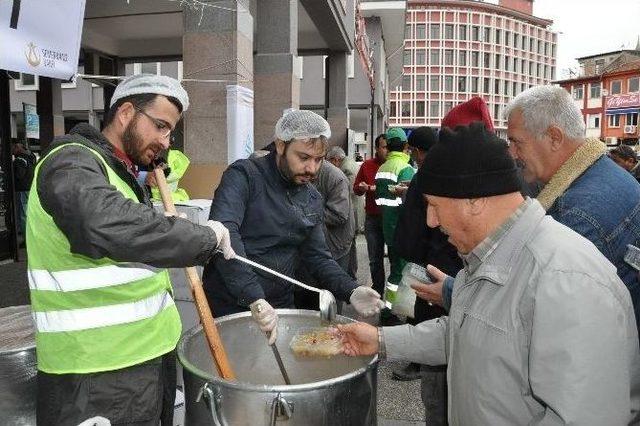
475,109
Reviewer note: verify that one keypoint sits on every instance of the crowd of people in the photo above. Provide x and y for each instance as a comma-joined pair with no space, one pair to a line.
529,316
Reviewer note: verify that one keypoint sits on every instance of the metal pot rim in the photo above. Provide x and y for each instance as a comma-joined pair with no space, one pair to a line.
266,388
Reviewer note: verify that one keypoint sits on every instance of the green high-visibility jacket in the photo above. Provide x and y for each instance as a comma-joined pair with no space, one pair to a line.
93,315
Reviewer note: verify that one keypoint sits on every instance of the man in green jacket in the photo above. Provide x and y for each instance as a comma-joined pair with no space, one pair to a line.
391,181
106,321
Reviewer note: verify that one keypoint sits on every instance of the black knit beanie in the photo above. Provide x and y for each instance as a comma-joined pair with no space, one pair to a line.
468,162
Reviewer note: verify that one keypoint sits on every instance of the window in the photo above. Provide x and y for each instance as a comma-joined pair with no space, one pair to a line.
578,92
474,84
448,106
524,42
407,57
149,68
531,65
634,84
496,110
448,83
393,109
434,83
515,65
487,34
448,31
462,84
27,82
434,57
497,64
448,57
514,90
593,121
420,86
614,120
475,33
507,38
507,61
462,32
406,82
434,109
594,90
616,87
407,31
532,45
420,109
631,119
486,60
420,54
498,34
487,85
421,32
406,109
434,31
475,59
505,87
462,58
496,89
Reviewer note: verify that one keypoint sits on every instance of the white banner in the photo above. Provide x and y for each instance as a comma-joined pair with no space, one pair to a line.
41,37
239,123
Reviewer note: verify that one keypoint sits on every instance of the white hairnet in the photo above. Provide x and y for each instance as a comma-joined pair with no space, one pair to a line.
150,83
302,125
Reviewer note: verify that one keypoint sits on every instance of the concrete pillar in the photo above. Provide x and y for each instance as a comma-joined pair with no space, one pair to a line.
277,87
217,45
49,106
337,111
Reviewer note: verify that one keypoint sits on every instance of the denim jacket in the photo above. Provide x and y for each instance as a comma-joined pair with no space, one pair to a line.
603,205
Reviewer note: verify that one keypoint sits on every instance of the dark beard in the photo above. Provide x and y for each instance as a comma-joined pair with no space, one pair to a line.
131,143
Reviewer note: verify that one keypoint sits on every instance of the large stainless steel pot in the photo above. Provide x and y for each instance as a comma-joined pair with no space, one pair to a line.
324,391
17,367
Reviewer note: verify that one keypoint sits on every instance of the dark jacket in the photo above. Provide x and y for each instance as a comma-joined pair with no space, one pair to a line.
272,222
23,168
100,222
418,243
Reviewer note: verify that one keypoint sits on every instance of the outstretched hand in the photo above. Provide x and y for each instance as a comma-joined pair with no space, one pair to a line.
359,338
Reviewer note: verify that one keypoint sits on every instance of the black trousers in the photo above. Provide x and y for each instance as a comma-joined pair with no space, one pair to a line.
139,395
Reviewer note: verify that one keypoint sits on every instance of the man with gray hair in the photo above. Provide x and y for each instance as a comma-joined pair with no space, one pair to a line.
275,217
583,188
350,168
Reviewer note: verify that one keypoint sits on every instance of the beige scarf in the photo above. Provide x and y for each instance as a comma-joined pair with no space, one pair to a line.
587,154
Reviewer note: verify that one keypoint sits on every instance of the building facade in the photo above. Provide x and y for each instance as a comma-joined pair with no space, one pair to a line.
457,49
607,91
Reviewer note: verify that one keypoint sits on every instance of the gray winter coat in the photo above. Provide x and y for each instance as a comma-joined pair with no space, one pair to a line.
542,333
339,220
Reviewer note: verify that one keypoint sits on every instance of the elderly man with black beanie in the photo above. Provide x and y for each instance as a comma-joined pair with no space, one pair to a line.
541,330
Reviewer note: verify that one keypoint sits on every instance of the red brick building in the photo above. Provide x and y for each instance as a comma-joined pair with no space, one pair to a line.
608,94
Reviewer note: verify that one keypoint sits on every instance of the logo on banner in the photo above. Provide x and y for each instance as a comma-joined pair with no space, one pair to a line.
32,55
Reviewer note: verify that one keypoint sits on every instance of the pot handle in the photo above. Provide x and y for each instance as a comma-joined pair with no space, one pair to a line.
206,392
281,409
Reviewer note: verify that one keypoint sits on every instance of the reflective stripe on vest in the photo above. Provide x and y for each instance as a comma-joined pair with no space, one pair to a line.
93,315
103,316
84,279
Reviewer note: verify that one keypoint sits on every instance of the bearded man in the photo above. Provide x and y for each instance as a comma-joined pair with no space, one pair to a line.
106,322
275,217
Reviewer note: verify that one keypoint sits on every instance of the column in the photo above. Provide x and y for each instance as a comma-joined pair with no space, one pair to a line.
217,51
49,106
277,87
337,112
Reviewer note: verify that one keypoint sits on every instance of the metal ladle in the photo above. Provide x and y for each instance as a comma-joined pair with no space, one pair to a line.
328,306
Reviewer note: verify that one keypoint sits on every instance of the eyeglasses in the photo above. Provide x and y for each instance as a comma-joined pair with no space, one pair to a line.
162,126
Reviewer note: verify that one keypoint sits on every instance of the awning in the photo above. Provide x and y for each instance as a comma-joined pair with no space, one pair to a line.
618,111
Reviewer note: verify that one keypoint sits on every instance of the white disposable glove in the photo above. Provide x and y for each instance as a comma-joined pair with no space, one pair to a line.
181,215
366,301
266,317
222,236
